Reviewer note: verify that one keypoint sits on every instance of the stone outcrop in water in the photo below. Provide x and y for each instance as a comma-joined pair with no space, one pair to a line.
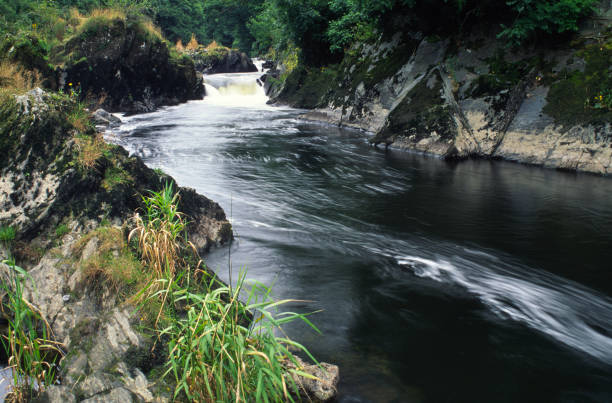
475,99
221,60
58,184
123,66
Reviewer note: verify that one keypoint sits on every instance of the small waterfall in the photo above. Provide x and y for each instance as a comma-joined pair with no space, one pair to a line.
238,89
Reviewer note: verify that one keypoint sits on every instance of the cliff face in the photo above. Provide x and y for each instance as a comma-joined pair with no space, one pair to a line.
472,98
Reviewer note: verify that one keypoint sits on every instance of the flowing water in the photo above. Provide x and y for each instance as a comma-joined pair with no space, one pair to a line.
436,281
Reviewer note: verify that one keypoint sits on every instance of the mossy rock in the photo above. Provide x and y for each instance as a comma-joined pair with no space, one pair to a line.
420,113
308,88
573,100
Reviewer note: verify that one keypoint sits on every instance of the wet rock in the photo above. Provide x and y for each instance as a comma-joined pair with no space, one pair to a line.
479,102
268,64
321,385
103,118
41,183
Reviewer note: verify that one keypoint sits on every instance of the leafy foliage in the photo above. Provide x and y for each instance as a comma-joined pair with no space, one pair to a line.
548,16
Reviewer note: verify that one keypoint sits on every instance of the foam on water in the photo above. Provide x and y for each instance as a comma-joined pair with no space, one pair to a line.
238,90
570,313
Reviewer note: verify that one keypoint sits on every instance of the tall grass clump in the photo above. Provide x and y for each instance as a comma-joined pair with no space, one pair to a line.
221,349
14,79
32,354
7,236
160,231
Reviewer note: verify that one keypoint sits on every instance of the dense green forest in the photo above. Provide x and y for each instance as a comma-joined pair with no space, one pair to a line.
322,29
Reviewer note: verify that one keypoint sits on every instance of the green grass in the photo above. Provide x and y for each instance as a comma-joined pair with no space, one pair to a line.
32,355
221,349
61,230
7,234
218,347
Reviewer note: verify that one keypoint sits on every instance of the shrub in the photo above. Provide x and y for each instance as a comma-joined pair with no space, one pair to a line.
548,16
193,43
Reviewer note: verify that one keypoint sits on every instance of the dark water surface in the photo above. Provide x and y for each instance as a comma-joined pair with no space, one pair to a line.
477,281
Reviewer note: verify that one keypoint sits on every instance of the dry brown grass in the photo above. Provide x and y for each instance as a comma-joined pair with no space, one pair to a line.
15,80
213,45
160,233
153,29
193,43
158,244
90,150
179,46
108,13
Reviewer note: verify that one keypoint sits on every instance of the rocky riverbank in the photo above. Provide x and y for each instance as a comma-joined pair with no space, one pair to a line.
472,97
71,198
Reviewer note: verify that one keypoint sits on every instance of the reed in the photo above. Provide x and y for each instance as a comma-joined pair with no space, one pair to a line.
217,352
32,354
160,232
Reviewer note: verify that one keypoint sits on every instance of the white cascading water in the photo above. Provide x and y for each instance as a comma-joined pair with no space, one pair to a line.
236,89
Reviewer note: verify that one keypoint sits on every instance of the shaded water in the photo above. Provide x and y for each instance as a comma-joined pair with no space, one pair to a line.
437,281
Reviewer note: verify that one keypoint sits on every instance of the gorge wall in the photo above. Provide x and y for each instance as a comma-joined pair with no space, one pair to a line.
472,96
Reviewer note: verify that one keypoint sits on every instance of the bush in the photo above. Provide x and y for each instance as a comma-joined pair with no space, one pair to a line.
546,16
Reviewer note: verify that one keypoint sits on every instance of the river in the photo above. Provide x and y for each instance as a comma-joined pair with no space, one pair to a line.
475,281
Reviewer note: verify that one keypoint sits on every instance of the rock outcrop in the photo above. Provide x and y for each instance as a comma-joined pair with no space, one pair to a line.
54,173
123,66
472,99
221,60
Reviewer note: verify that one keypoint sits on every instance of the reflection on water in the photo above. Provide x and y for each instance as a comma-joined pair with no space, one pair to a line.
477,281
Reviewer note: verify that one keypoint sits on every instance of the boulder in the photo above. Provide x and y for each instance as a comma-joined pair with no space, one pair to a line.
222,60
321,383
103,118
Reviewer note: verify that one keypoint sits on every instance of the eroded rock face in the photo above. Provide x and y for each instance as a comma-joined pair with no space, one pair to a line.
476,101
128,69
42,183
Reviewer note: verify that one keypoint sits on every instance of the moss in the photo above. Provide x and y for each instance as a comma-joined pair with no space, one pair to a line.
422,112
44,135
115,176
572,100
391,64
503,75
61,230
308,88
